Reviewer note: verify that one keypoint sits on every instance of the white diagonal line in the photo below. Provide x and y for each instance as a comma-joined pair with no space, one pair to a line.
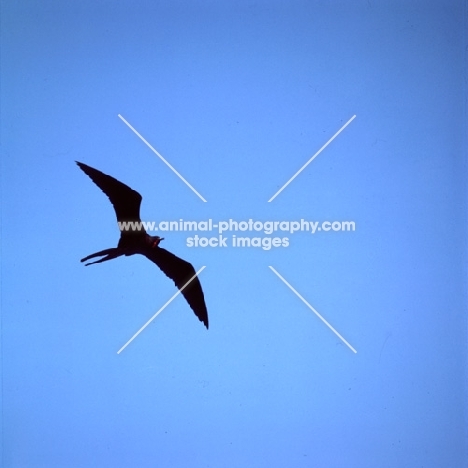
312,158
313,310
160,157
161,309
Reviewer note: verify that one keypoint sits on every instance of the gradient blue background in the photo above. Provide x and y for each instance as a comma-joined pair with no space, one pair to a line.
237,96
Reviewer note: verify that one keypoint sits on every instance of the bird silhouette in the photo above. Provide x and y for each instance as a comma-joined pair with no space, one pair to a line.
126,202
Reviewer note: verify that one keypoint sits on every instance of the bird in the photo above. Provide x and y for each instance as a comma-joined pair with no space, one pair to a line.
126,203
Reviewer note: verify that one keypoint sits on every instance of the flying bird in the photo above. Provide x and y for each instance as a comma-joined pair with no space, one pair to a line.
126,202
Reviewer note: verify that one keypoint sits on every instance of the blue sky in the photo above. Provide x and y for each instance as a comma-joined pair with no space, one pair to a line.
237,96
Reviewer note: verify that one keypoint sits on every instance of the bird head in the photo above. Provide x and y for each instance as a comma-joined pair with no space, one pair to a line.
154,241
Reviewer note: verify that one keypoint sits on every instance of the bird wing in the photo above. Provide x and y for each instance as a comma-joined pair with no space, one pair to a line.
181,272
125,200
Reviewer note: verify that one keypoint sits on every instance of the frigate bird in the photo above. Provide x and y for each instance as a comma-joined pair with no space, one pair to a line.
126,202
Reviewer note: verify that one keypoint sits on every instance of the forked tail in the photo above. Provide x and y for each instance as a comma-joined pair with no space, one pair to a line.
107,254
